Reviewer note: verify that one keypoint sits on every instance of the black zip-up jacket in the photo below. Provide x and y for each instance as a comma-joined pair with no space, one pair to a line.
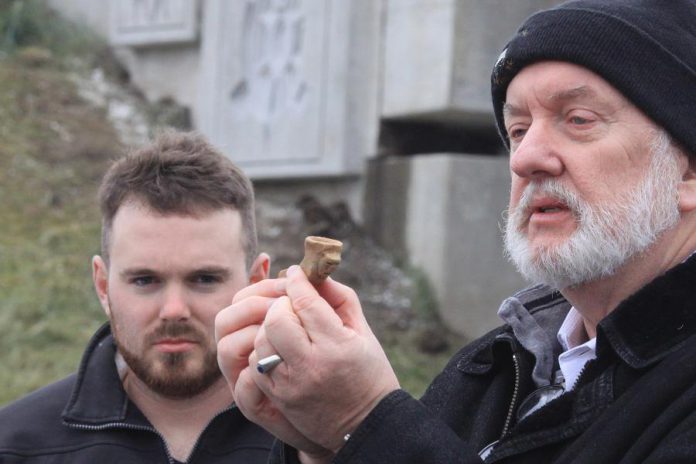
635,403
88,418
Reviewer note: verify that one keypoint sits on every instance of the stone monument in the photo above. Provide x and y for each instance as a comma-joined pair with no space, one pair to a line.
289,87
152,22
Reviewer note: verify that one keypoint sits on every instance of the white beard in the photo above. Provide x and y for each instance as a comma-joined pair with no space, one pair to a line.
607,235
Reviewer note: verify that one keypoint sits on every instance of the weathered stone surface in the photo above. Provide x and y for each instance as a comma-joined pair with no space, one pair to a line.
289,88
153,22
438,54
451,211
163,73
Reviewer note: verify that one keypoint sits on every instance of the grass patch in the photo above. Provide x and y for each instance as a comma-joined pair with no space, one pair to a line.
50,230
53,149
419,354
414,367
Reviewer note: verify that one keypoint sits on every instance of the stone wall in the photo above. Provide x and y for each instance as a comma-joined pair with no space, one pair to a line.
381,104
443,212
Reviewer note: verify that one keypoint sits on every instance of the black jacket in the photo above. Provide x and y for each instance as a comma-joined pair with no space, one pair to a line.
635,403
87,418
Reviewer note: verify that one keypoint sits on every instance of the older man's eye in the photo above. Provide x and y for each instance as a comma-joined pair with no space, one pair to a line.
579,120
516,133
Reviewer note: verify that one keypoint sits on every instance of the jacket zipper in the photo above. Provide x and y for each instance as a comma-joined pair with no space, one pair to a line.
515,394
582,372
150,429
121,425
200,435
488,449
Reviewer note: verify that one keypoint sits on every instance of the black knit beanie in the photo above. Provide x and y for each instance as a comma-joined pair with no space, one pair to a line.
644,48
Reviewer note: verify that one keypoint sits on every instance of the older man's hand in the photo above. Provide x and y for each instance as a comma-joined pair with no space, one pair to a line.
236,328
334,371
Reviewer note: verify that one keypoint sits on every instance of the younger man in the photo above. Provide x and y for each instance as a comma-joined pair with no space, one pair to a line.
178,241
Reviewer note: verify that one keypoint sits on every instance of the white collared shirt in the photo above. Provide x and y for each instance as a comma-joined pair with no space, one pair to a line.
577,349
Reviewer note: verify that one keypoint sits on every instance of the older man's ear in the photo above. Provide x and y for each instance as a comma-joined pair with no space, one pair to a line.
687,187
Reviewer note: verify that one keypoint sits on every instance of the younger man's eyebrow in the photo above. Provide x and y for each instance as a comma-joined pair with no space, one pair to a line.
219,271
136,271
213,270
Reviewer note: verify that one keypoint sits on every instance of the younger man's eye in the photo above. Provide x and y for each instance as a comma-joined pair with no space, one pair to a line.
142,281
206,279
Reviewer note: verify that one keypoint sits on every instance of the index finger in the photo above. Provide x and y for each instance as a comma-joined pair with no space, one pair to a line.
251,311
272,288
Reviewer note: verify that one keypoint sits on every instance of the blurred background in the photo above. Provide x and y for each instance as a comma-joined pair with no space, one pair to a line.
368,121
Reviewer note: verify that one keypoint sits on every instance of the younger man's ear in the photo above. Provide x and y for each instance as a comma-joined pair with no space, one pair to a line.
259,270
100,277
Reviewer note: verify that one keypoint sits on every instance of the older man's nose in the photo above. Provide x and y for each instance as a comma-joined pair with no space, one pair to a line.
537,155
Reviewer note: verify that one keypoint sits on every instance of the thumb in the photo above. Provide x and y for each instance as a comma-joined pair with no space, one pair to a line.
344,302
314,312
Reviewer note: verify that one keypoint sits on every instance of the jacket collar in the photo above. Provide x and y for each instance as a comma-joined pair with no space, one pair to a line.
98,397
643,329
655,320
533,316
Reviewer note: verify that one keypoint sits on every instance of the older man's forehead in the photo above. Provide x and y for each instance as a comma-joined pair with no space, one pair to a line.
579,92
559,82
582,92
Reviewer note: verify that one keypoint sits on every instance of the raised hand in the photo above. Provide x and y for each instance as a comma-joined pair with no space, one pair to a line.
334,370
236,328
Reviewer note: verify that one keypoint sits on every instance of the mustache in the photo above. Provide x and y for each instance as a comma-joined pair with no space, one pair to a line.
554,189
170,329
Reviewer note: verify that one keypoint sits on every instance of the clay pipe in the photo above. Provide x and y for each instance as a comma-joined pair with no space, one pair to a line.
322,256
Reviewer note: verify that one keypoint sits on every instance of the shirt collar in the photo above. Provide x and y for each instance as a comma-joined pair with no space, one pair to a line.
572,332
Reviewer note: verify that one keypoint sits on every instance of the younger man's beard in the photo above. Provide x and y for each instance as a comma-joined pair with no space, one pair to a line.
168,374
607,235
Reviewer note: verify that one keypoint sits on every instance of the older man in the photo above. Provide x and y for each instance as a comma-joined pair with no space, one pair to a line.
596,101
178,241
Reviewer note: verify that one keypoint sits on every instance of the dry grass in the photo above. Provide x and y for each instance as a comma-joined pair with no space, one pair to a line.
53,148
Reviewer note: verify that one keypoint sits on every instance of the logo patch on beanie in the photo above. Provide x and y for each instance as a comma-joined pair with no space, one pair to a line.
498,67
501,57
